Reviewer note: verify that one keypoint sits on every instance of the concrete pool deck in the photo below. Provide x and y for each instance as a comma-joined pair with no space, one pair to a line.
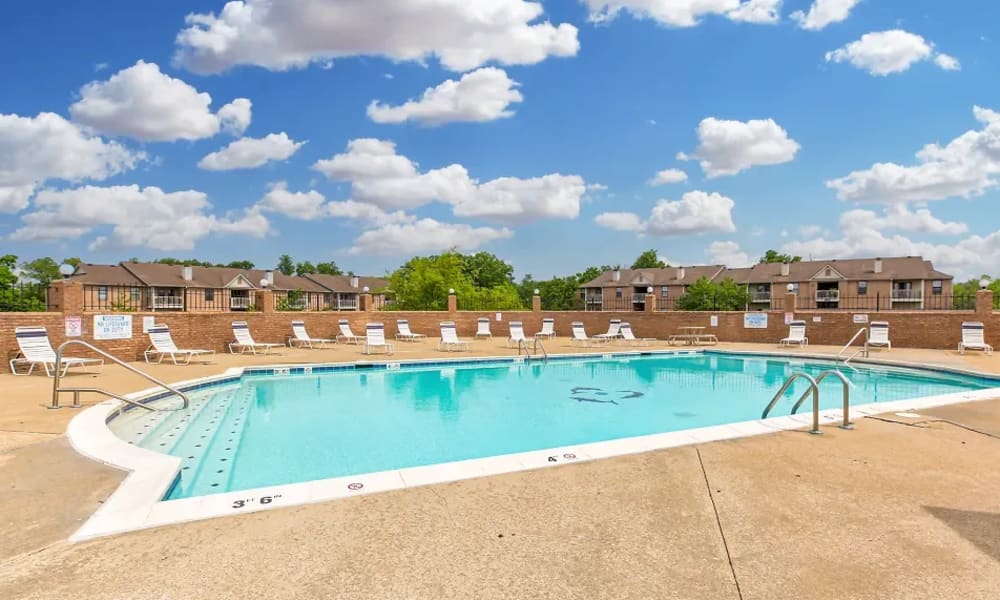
890,510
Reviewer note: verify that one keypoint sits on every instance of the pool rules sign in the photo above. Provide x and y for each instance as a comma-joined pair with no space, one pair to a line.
112,327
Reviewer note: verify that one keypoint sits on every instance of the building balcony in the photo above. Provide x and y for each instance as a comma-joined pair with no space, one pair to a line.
760,297
827,295
907,295
239,302
167,303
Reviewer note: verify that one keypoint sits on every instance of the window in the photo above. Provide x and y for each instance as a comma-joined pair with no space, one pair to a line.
209,295
102,293
618,292
664,292
795,288
862,288
828,272
936,286
136,294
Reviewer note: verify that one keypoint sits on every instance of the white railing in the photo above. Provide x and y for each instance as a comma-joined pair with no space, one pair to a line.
760,297
638,298
160,302
347,304
908,295
239,302
828,296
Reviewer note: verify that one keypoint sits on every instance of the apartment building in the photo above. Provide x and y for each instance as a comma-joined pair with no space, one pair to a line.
131,286
897,283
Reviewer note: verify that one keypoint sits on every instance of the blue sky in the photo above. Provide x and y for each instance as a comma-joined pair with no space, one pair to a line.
794,130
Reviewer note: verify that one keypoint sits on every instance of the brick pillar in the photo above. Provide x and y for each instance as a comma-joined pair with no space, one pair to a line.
66,297
984,303
650,304
452,303
265,301
536,303
365,302
790,301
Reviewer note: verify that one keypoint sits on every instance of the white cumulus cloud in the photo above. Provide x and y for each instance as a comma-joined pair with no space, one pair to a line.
250,153
886,52
235,116
136,216
380,176
668,176
729,147
686,13
823,13
695,212
966,166
729,254
144,103
423,236
312,205
483,95
463,35
47,146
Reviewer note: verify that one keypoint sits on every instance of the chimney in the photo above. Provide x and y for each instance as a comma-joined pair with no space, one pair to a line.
616,275
680,273
784,269
878,265
354,281
187,273
269,276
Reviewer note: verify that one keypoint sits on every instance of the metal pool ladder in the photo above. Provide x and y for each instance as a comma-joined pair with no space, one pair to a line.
57,389
533,350
814,388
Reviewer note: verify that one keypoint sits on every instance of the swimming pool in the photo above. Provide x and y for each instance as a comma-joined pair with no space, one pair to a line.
282,426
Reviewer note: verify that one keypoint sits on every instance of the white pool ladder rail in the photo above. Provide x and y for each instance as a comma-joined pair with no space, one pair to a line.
814,389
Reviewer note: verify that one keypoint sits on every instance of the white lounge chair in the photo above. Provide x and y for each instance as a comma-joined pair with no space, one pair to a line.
346,335
404,334
244,341
35,349
973,338
629,337
449,338
796,334
580,335
516,334
548,329
483,328
878,335
614,330
375,338
162,345
301,337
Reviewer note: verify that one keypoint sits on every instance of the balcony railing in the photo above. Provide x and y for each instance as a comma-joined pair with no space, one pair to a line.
345,304
907,295
827,295
239,302
167,303
757,297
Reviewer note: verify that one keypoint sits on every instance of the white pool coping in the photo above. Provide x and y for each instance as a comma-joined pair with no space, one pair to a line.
137,504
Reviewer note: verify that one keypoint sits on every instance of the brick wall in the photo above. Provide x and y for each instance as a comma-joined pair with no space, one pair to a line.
926,329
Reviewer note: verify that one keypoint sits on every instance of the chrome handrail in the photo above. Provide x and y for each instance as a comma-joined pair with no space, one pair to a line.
847,396
812,387
56,390
538,344
840,354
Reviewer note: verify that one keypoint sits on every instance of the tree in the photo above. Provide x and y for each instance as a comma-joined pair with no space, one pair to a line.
241,264
422,283
488,271
8,264
328,268
649,260
707,295
286,265
303,268
43,270
74,261
772,256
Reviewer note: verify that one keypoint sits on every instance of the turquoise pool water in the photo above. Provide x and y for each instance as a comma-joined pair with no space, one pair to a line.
272,429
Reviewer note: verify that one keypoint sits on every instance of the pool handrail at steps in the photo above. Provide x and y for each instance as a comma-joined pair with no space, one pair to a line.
814,388
56,389
863,350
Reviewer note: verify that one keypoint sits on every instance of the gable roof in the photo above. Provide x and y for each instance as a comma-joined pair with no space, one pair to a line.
655,277
342,283
104,275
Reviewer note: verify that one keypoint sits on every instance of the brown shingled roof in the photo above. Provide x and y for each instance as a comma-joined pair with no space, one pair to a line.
104,275
655,277
342,283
